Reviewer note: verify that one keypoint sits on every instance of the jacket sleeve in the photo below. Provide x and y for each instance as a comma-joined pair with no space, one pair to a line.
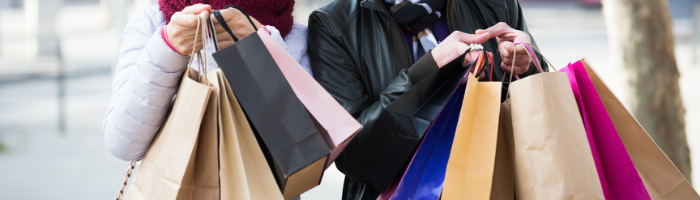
335,68
147,76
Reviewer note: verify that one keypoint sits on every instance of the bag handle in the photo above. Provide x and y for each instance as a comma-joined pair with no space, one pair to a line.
132,165
531,54
202,64
222,22
244,13
212,32
530,47
481,62
212,36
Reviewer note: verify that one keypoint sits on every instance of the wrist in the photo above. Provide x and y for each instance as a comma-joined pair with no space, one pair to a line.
441,58
166,38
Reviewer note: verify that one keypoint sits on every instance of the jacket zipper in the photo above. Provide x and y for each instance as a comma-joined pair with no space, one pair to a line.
363,63
405,45
447,14
367,82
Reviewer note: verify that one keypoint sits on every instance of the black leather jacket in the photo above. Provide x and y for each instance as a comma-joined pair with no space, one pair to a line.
359,55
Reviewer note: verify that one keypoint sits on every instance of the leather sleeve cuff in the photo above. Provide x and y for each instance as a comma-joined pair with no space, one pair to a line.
423,67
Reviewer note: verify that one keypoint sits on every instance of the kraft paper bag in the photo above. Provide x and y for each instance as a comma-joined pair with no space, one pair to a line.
553,159
182,162
662,179
244,171
471,165
334,123
617,173
294,148
503,186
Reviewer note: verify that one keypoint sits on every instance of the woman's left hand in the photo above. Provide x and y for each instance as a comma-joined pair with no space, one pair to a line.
506,36
237,22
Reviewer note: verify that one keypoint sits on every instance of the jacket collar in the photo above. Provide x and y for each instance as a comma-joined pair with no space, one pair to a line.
375,5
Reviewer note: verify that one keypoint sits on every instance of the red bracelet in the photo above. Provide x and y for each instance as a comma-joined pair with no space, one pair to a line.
164,34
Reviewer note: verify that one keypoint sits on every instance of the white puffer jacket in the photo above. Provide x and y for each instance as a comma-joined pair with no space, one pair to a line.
148,75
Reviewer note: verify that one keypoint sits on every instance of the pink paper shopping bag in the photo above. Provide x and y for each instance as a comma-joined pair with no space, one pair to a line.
618,175
335,124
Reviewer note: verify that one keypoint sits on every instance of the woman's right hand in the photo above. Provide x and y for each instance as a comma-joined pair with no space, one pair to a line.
183,26
237,22
455,45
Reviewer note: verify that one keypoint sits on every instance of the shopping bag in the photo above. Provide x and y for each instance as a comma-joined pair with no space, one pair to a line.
401,125
548,132
244,171
617,173
553,159
296,151
661,178
334,123
182,161
471,164
503,185
425,174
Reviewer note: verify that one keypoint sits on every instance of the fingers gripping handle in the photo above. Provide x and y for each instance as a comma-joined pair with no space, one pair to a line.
224,25
244,13
531,54
201,60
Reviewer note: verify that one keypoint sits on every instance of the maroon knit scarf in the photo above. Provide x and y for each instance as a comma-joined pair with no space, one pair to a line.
277,13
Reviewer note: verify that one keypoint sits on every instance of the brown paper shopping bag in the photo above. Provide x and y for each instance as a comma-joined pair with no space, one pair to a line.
471,165
182,162
503,187
552,157
245,173
661,178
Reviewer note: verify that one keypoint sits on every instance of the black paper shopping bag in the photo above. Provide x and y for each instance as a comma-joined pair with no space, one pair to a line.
400,127
296,151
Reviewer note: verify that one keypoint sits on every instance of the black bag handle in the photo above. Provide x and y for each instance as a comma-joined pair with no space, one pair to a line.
221,20
212,32
244,13
223,24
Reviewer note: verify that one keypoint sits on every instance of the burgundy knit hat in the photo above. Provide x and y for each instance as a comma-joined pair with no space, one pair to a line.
277,13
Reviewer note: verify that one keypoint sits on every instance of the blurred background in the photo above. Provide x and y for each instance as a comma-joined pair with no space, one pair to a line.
56,59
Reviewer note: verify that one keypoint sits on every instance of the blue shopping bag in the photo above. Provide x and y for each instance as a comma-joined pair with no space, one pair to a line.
425,174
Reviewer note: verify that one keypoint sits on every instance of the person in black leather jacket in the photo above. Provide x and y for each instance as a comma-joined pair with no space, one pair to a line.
359,54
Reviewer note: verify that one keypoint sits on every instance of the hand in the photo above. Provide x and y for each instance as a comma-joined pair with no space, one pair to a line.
506,36
183,26
455,45
237,22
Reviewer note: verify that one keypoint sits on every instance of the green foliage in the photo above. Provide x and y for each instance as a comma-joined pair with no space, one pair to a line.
2,147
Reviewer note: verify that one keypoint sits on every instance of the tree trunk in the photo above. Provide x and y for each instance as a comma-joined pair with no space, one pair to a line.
641,41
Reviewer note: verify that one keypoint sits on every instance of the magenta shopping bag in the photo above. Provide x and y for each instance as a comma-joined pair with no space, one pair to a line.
618,176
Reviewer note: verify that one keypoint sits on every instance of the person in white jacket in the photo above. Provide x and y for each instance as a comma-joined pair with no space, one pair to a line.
155,52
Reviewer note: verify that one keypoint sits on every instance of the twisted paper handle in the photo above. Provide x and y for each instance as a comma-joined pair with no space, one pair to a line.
132,165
